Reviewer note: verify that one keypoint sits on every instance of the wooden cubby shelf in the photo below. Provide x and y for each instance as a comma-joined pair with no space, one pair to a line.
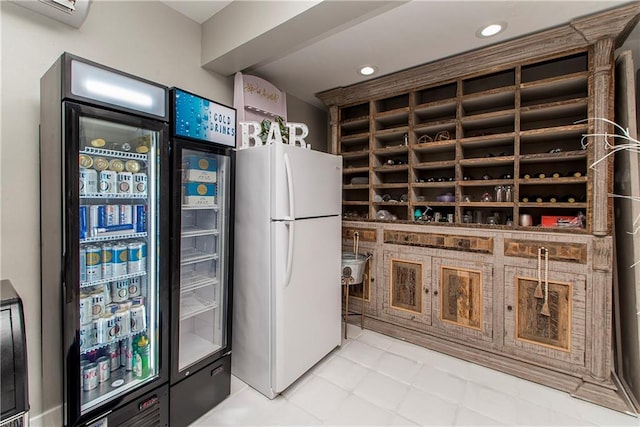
512,133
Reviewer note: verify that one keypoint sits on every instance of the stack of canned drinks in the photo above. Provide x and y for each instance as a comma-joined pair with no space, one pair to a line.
112,260
110,315
110,312
102,220
114,180
96,366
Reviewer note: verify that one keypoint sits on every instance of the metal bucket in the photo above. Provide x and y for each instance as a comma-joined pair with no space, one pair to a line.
353,265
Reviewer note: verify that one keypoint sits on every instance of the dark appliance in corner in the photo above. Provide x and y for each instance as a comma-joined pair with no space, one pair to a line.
14,405
104,221
202,213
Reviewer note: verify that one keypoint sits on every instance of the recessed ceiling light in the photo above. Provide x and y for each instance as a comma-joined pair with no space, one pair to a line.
491,30
367,70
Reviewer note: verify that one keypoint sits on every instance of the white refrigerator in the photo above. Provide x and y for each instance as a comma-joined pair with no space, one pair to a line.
287,294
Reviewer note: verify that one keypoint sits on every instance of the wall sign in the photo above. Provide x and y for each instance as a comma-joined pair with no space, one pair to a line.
252,134
203,119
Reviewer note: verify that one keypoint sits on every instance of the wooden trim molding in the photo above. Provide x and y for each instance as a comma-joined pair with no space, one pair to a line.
566,252
440,241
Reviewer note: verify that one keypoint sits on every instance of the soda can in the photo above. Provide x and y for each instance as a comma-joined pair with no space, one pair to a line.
109,214
107,260
113,350
125,183
140,183
138,318
120,291
100,163
132,166
83,264
86,308
134,287
119,260
107,182
104,368
126,214
90,377
140,218
106,329
83,364
88,181
123,322
93,261
116,165
86,336
126,353
85,161
94,219
136,260
106,290
82,222
97,299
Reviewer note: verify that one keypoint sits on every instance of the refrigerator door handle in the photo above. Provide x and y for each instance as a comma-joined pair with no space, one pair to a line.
287,169
287,278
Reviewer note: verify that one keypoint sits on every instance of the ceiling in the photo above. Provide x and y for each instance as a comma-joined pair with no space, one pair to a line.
308,47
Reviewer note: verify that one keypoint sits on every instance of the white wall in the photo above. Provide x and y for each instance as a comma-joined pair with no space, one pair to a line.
316,120
146,39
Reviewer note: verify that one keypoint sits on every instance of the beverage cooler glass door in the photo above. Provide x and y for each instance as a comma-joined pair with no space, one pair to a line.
118,304
203,256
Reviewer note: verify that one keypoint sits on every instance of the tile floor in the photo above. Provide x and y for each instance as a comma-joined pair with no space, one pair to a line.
376,380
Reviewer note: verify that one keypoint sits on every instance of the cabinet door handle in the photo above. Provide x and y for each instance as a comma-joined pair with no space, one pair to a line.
426,291
435,292
509,308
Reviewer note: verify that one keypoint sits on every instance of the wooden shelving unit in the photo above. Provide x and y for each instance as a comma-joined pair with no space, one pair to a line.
469,136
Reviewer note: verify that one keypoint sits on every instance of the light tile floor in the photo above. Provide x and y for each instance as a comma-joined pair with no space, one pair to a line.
376,380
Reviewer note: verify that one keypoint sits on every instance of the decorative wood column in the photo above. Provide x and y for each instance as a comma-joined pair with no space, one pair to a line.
333,129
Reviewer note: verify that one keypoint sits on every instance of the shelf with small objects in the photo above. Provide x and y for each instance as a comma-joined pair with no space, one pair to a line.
483,149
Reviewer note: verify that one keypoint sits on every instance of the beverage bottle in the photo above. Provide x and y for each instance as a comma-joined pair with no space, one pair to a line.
508,193
141,350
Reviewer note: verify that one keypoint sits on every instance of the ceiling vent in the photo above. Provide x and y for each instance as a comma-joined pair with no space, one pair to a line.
70,12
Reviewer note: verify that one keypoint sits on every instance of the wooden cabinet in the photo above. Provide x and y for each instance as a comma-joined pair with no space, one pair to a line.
406,288
556,337
480,295
463,299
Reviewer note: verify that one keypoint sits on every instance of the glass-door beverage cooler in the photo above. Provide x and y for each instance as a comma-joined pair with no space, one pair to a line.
103,224
203,133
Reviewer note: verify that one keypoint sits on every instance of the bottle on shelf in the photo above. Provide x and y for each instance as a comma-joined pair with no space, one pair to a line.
568,199
552,198
508,193
141,354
